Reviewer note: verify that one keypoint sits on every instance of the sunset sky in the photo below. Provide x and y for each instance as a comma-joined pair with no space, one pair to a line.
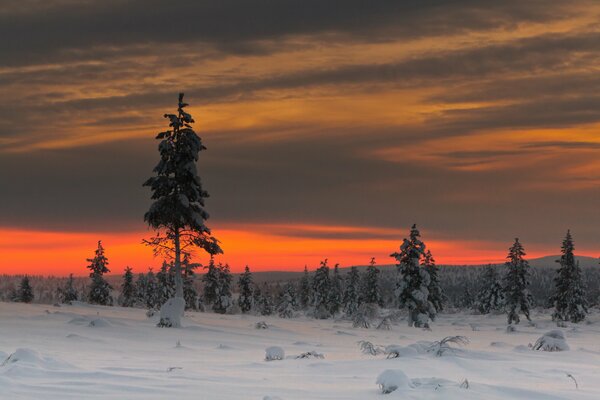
331,127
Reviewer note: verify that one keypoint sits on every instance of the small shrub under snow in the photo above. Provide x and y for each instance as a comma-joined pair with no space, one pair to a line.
261,325
442,346
369,348
310,354
392,379
274,353
554,340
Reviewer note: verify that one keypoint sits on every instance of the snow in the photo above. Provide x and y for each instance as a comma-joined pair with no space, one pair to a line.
274,353
53,353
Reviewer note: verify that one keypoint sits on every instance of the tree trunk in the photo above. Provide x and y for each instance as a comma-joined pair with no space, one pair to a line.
178,279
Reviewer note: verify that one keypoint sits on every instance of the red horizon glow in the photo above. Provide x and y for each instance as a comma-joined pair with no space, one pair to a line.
262,247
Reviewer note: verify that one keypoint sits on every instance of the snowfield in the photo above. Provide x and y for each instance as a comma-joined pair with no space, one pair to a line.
93,352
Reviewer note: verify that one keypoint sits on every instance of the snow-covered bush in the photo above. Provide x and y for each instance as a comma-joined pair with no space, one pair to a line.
392,379
554,340
261,325
274,353
369,348
395,351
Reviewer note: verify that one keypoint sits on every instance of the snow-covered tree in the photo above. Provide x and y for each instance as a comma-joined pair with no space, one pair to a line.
189,291
165,282
223,299
352,292
569,294
128,289
516,282
152,296
211,283
304,290
245,285
321,285
335,292
370,291
177,213
265,301
287,301
491,294
68,293
99,290
412,289
436,297
25,292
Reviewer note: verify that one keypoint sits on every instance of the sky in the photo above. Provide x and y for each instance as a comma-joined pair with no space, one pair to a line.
330,126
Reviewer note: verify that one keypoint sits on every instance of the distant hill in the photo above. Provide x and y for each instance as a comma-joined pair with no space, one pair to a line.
550,261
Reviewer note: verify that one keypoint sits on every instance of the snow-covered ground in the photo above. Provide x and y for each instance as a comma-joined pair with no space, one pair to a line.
87,352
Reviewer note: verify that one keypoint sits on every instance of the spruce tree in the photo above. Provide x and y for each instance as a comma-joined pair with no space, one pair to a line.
335,292
189,291
223,295
287,301
265,303
370,292
152,297
165,281
569,294
177,213
436,297
245,285
25,292
304,290
211,283
99,290
127,289
412,288
68,294
491,294
352,292
321,285
516,283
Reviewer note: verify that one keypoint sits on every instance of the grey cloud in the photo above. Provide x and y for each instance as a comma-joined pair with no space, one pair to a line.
240,26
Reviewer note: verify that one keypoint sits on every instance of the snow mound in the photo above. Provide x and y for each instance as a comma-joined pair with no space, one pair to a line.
274,353
271,398
392,379
31,358
554,340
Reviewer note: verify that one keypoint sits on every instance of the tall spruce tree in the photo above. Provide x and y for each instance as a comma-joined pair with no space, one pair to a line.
304,290
177,213
165,281
491,295
223,296
371,293
25,292
152,298
321,285
190,294
211,283
99,290
435,297
413,280
68,293
335,292
245,285
352,292
516,282
128,289
569,295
